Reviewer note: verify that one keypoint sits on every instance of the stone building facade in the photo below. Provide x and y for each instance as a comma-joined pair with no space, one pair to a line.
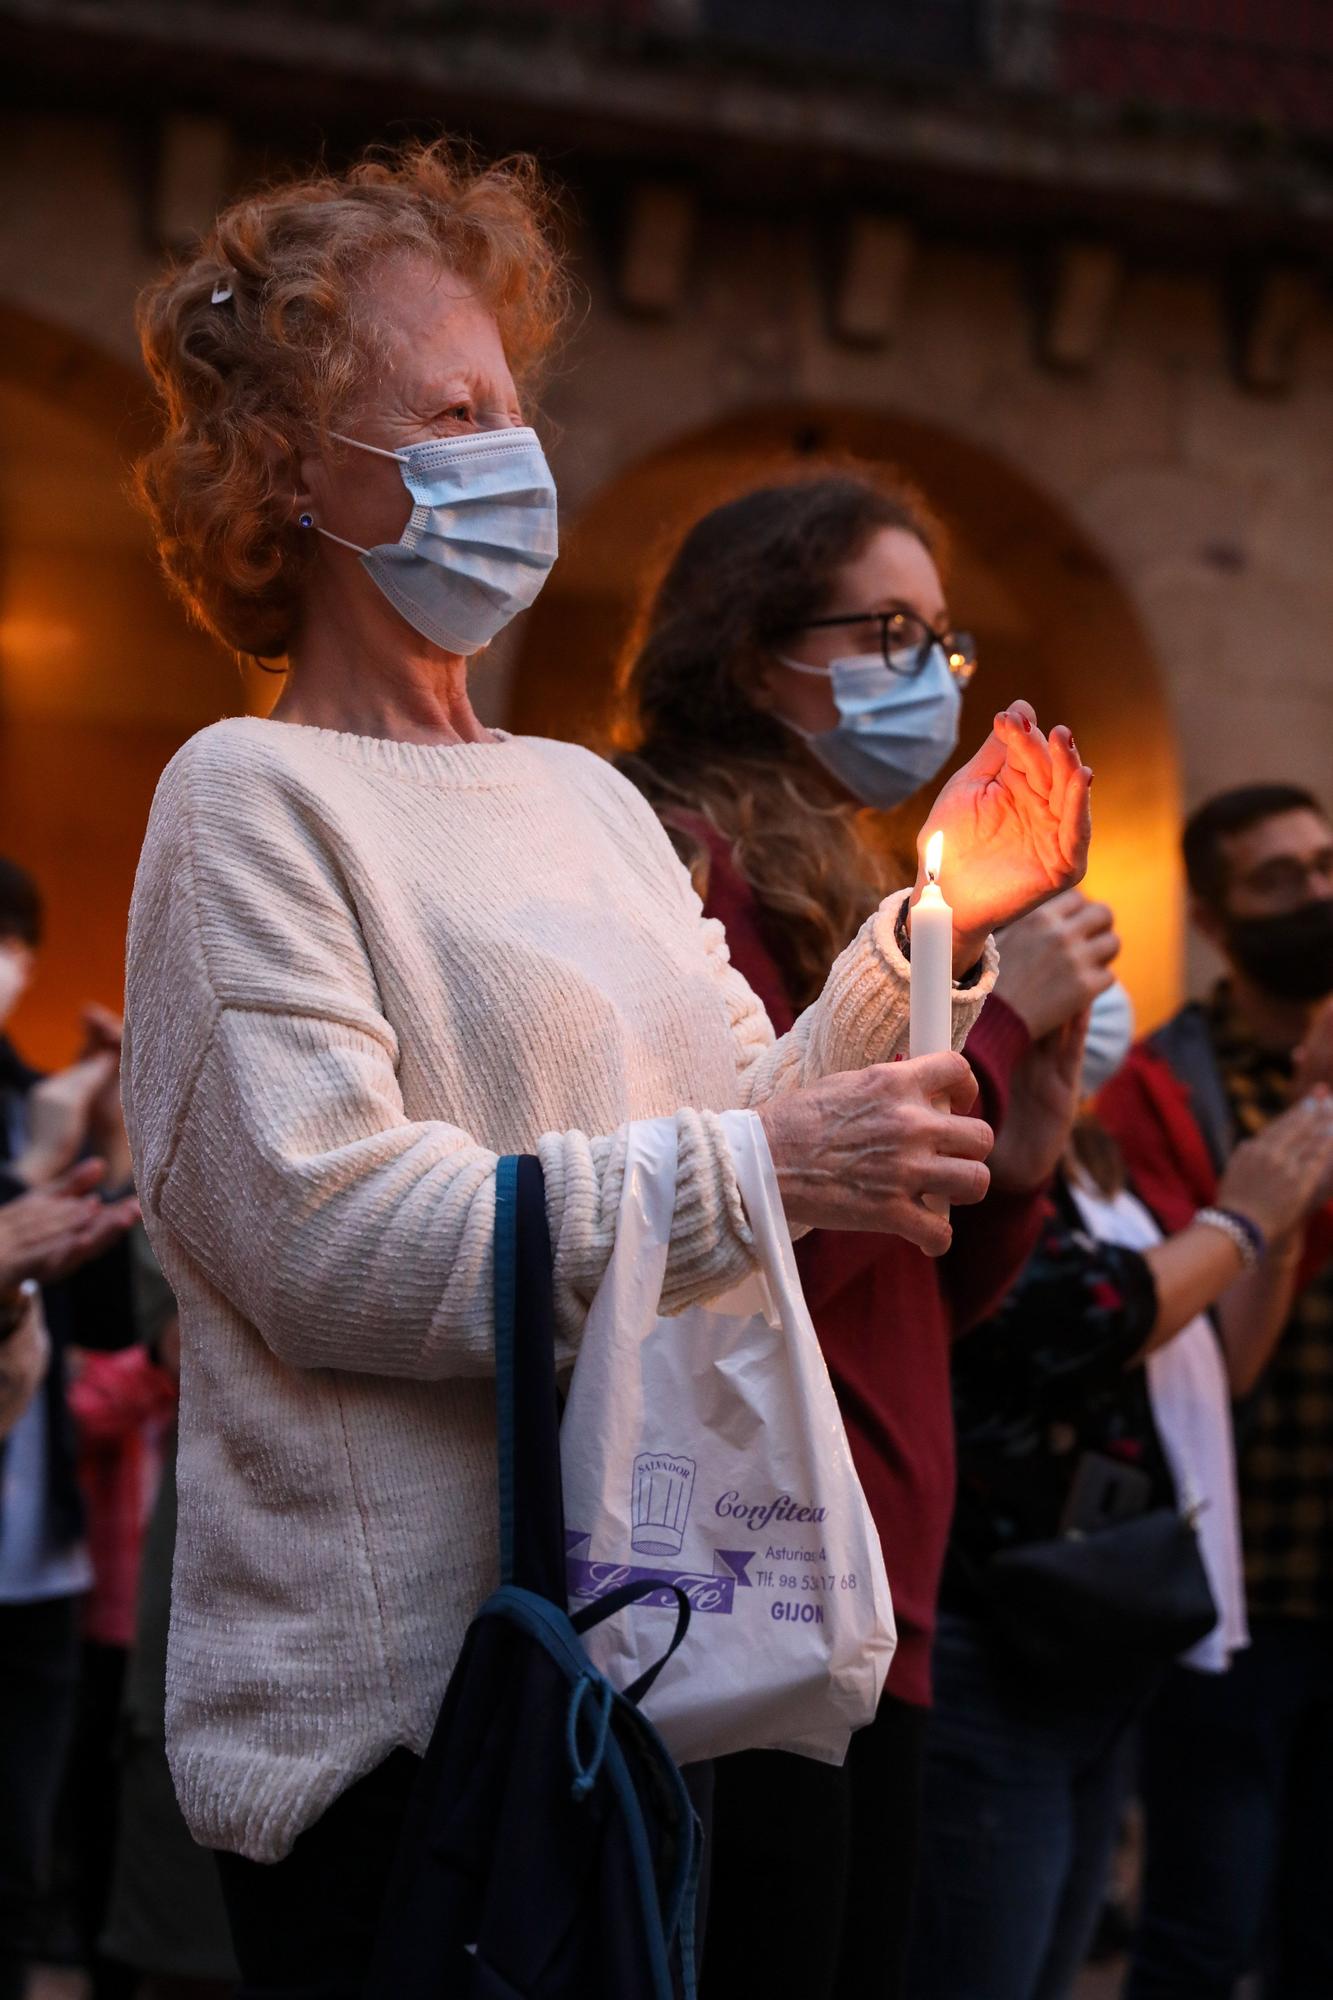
1105,354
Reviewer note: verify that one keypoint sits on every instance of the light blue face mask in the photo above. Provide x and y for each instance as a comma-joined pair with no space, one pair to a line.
894,730
1110,1037
479,542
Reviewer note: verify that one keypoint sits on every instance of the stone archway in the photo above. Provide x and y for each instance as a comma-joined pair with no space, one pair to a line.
1054,624
101,678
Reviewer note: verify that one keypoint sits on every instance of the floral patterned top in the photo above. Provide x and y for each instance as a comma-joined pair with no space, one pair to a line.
1046,1379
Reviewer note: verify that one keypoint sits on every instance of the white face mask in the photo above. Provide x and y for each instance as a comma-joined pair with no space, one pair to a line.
479,542
1110,1037
15,972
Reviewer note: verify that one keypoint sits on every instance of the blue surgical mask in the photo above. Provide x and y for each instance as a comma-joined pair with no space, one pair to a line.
894,731
479,542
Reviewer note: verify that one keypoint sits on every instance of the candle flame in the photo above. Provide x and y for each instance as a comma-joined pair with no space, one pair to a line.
934,855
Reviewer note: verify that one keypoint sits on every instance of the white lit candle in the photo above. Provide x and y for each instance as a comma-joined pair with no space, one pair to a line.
932,962
931,1028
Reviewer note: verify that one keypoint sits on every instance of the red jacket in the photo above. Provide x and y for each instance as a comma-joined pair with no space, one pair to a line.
1147,1107
885,1312
1150,1111
123,1405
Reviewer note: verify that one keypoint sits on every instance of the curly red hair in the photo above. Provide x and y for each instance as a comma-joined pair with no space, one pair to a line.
249,385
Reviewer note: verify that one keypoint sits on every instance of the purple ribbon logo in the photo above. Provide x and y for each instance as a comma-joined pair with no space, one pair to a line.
706,1592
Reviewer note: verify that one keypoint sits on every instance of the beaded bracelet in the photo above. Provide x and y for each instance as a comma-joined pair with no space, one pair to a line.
1246,1234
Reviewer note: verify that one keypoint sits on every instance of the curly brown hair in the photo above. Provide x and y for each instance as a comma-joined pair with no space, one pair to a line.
692,736
250,384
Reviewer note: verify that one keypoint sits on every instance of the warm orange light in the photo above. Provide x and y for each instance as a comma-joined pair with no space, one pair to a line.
35,638
934,855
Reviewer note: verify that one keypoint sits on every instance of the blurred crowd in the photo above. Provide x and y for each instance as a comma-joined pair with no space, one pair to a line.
96,1868
1096,1436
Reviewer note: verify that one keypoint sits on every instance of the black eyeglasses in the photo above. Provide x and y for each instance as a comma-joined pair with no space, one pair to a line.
905,641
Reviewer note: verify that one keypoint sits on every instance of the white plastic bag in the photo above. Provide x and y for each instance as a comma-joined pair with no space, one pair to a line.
707,1450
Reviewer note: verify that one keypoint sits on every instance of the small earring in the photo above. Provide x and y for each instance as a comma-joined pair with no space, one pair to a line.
305,521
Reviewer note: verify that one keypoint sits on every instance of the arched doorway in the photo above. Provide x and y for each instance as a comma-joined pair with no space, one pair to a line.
101,677
1053,623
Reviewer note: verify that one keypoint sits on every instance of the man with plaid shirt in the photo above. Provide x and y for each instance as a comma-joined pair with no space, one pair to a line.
1238,1768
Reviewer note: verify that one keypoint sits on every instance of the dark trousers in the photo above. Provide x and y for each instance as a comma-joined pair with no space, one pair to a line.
306,1925
1238,1801
87,1817
304,1929
1023,1794
39,1660
813,1867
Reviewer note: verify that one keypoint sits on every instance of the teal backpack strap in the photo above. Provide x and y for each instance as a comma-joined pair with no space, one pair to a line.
531,1507
506,1287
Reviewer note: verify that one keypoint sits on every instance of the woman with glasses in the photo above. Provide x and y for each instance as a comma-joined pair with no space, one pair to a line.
797,664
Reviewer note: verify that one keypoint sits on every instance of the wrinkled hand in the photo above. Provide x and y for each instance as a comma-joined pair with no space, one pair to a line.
859,1150
1016,821
1285,1172
47,1234
1056,960
61,1109
1044,1095
1314,1057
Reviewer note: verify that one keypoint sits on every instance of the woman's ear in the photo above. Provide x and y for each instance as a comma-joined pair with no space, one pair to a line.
760,683
305,499
314,476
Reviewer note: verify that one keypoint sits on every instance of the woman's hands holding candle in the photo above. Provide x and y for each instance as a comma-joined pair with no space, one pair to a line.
1016,822
860,1150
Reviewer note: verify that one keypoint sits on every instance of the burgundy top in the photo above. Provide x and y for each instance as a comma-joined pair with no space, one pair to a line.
885,1312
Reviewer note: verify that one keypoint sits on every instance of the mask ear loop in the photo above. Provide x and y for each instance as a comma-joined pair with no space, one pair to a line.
804,667
379,450
309,521
329,536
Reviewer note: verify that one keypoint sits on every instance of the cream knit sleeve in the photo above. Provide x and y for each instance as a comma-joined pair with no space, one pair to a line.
272,1147
861,1017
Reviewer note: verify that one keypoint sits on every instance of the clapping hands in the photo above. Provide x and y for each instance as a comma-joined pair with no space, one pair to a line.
78,1109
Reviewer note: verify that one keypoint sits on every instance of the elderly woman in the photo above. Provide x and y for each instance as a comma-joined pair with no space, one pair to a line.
375,945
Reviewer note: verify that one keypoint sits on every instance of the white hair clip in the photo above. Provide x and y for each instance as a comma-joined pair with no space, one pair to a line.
221,292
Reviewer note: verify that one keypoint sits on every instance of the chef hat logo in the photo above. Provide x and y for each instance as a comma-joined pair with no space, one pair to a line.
660,1504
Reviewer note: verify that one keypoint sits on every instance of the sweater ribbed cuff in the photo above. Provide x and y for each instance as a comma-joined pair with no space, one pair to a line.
711,1243
863,1010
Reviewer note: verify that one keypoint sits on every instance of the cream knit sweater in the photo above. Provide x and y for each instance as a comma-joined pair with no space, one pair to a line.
359,971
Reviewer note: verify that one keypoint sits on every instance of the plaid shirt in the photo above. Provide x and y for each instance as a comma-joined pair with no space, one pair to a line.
1286,1443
